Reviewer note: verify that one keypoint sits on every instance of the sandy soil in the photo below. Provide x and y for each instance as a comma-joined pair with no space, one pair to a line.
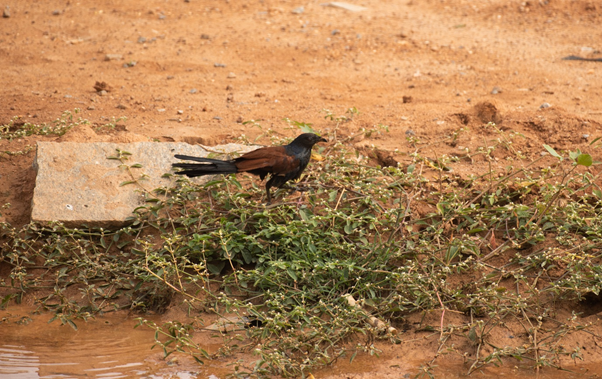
433,70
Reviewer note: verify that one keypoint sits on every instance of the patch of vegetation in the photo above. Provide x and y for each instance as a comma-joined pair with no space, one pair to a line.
18,129
327,272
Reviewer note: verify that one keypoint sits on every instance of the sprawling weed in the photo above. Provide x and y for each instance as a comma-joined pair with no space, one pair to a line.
327,272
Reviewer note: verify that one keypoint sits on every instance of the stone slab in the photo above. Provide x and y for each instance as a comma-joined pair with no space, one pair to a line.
77,184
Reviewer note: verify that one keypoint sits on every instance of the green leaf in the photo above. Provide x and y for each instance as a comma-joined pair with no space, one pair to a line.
552,151
216,268
304,213
348,229
585,160
598,193
126,183
332,195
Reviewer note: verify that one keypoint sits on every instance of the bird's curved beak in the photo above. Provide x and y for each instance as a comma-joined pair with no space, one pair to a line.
322,139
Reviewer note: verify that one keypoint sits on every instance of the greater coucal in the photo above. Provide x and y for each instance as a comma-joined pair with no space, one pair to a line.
281,163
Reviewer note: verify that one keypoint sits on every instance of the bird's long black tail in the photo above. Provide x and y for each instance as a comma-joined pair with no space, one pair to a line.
208,166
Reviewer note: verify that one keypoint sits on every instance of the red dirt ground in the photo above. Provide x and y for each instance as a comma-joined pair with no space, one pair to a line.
195,70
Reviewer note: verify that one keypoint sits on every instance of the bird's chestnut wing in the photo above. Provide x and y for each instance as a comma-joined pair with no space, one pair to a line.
271,159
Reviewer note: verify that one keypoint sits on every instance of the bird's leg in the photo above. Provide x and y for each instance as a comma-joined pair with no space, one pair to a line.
267,190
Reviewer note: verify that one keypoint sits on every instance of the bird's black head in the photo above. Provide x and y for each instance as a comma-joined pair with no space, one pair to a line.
308,140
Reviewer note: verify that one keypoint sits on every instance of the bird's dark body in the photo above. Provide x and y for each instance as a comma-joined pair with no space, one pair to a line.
281,163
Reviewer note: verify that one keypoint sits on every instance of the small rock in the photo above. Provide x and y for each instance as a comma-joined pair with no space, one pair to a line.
346,6
410,132
544,153
231,75
229,87
68,96
335,32
113,57
91,108
169,77
56,12
205,36
161,17
298,10
407,99
99,86
194,90
585,136
141,39
180,111
121,106
103,93
496,90
239,120
217,118
221,65
6,13
544,105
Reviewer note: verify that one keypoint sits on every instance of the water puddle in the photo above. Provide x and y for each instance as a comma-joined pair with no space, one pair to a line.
109,347
105,347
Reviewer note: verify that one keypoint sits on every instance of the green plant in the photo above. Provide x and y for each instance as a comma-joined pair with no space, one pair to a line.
395,240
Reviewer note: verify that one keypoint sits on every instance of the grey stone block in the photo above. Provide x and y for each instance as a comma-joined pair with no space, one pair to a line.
77,184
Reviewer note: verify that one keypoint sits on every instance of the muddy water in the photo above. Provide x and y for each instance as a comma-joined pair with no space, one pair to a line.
110,347
106,347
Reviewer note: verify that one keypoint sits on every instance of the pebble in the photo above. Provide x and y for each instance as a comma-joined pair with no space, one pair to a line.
219,65
180,111
585,136
6,13
169,77
544,105
113,57
335,32
205,36
161,17
91,108
103,93
496,90
231,75
68,96
194,90
410,132
141,39
298,10
161,110
121,106
217,118
56,12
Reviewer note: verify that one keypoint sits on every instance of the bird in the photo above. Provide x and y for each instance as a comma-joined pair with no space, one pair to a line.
280,163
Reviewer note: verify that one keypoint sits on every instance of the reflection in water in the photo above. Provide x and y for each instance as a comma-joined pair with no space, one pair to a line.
104,348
